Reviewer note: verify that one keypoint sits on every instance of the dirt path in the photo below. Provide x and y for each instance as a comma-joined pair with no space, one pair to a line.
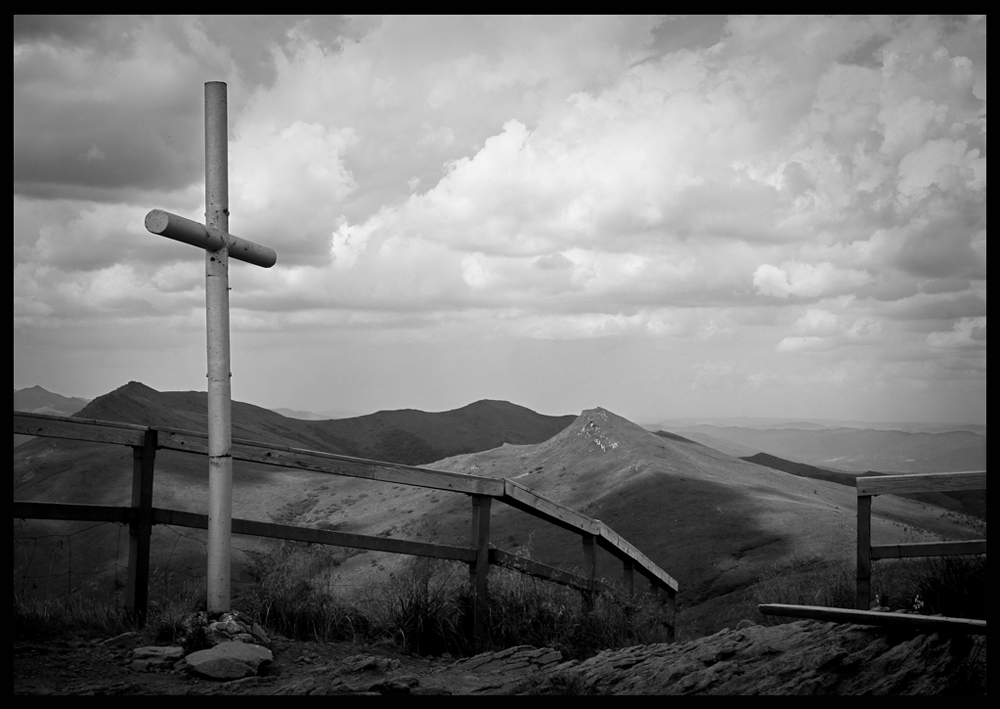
81,666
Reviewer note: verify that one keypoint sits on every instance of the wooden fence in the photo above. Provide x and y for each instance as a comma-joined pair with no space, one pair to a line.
140,516
869,487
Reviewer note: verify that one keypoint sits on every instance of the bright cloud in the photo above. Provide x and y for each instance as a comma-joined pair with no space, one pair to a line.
807,280
800,188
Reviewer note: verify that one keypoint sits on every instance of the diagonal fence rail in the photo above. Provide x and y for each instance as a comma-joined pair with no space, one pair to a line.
141,516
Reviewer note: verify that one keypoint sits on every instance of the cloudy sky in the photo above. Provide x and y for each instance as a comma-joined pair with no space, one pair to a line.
663,216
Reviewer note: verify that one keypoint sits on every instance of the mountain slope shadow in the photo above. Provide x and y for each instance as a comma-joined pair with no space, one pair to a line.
696,530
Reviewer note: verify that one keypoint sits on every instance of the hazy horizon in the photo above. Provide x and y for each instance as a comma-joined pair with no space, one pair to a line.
667,217
751,422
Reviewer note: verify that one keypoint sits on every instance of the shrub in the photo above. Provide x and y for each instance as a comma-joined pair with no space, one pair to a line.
285,599
950,585
422,609
523,610
49,617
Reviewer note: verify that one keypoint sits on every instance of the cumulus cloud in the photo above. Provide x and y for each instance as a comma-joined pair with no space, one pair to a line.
948,164
807,280
290,184
817,182
967,332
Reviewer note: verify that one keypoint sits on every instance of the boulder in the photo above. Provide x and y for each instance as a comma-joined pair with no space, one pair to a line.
230,660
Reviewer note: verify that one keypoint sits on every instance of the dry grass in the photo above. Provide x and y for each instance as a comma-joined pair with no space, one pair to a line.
951,586
425,608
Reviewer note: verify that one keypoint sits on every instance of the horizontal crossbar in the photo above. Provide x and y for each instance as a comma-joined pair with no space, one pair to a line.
920,482
209,238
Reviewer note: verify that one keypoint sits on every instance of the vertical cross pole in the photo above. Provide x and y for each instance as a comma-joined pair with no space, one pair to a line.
219,245
220,430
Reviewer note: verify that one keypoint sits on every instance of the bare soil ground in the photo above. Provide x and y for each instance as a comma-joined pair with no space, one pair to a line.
804,657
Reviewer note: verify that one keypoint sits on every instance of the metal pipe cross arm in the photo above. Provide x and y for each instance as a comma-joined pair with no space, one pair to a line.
209,238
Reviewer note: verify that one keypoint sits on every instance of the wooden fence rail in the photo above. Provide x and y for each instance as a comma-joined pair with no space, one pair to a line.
868,487
141,515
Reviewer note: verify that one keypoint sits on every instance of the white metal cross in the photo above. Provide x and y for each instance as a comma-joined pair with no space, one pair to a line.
219,245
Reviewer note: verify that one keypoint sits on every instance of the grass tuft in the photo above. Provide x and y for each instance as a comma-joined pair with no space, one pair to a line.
425,608
950,585
45,618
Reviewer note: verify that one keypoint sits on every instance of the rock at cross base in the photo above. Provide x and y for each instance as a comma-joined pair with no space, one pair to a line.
230,660
154,657
199,631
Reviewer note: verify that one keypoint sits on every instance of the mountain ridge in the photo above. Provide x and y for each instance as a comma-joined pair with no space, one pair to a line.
405,436
712,521
37,400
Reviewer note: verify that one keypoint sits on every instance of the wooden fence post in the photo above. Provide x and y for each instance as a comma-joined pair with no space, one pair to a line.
672,606
480,568
863,601
628,576
140,529
589,570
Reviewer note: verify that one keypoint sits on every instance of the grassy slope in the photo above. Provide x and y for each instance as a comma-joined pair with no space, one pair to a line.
712,521
71,471
970,502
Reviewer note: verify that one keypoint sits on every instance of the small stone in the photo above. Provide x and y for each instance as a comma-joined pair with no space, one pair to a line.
261,637
154,657
396,685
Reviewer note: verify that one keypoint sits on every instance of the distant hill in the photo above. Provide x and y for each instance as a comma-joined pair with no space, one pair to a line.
305,415
852,449
56,470
405,436
41,401
712,521
841,477
763,423
676,437
971,502
37,400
